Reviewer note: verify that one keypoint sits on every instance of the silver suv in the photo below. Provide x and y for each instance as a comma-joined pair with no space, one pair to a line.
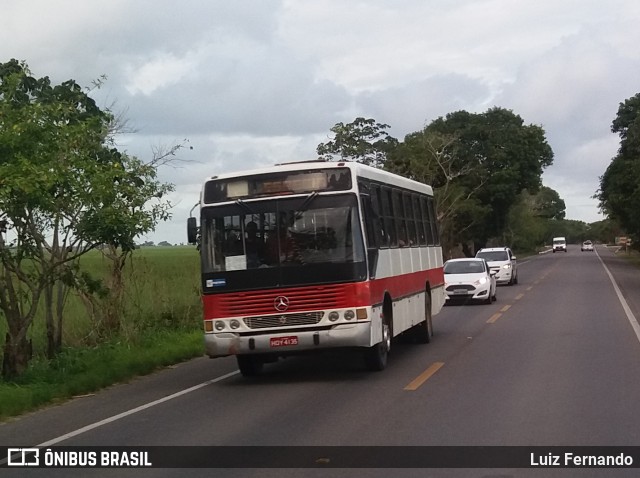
503,262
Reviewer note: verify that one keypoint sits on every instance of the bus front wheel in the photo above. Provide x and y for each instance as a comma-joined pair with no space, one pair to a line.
376,357
249,365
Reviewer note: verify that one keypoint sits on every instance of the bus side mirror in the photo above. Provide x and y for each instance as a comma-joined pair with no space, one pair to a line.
192,230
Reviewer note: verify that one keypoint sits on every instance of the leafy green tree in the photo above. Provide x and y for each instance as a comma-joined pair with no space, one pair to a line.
505,157
478,165
42,126
526,230
548,204
533,218
431,157
363,140
619,192
627,125
605,231
64,190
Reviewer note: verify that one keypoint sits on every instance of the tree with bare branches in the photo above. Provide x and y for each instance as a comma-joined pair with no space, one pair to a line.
64,191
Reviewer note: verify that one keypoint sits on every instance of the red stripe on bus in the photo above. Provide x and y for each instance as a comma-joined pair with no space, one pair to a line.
319,297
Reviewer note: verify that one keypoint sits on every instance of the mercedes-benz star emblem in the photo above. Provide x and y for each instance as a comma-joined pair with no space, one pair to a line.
281,303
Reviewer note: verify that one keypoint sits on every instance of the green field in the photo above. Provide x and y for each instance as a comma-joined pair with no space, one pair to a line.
161,325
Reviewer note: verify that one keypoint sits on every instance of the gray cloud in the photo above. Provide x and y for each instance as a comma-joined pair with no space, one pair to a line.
408,108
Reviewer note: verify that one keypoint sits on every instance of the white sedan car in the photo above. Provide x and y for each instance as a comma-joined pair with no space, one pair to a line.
587,246
469,279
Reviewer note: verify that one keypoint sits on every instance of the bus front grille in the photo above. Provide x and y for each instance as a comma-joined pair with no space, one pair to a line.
283,320
300,300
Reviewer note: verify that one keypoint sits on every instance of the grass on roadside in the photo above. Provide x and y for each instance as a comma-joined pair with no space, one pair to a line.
631,256
78,371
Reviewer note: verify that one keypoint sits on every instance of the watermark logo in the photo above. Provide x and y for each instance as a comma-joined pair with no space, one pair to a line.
23,457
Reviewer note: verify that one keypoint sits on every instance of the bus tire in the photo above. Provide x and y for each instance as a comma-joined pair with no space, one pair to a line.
249,365
376,357
424,330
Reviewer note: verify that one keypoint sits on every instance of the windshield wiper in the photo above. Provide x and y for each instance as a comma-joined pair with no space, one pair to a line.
245,206
305,205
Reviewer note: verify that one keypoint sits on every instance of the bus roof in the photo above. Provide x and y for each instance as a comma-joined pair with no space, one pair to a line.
358,169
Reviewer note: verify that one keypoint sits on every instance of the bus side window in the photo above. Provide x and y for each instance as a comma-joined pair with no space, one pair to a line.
398,209
389,217
422,237
411,223
382,237
370,217
433,216
424,211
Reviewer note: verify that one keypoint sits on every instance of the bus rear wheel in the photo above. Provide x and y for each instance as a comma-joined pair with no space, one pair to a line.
424,330
249,365
376,357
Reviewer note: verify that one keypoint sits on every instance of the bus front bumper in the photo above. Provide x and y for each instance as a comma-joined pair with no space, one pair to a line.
357,334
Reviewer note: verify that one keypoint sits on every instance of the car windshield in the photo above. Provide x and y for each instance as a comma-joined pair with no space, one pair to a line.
587,243
464,267
559,241
493,255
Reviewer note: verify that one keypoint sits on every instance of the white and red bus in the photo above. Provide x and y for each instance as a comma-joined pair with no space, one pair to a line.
315,255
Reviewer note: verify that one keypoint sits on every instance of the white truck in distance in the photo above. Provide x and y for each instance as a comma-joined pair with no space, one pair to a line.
559,244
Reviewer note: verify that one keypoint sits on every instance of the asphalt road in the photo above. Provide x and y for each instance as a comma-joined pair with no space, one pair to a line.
554,362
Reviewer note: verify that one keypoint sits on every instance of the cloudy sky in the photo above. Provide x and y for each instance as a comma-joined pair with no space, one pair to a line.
254,82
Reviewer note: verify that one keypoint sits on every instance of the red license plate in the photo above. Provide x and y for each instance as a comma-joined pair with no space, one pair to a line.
283,341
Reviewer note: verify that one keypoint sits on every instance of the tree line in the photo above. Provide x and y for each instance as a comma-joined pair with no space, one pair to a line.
486,171
619,192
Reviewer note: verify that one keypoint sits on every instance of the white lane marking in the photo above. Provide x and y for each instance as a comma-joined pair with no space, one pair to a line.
112,419
627,310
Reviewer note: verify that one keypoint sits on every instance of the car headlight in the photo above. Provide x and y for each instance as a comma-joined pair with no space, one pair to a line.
480,281
506,266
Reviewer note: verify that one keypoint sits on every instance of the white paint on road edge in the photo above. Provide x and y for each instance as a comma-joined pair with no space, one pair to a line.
627,310
112,419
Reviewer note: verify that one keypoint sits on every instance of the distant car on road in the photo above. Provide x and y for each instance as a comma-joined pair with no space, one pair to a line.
503,262
587,246
469,279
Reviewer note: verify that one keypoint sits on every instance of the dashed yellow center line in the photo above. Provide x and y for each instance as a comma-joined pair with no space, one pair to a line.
494,317
505,308
424,376
519,296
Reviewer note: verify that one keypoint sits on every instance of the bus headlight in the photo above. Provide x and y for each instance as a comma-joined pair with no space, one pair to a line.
219,325
349,314
333,316
235,324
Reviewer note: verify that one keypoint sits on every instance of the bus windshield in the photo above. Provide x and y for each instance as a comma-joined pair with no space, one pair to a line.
281,233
